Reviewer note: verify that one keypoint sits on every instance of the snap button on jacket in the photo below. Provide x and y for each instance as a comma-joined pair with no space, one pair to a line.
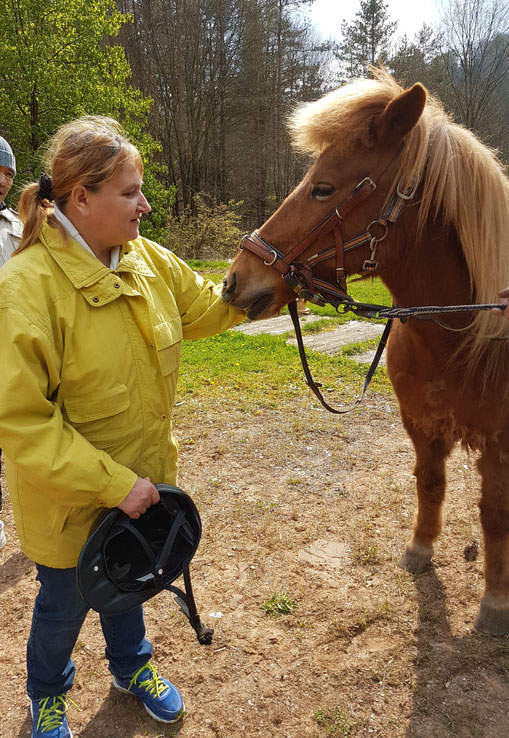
89,362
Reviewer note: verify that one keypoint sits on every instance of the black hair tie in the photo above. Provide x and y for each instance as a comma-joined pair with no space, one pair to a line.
45,188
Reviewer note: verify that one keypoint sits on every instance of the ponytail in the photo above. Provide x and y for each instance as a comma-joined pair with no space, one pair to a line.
35,208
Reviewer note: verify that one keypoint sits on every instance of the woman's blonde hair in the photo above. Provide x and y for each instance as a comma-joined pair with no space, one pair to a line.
88,151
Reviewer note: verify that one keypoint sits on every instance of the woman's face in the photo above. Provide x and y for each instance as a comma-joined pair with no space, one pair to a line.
114,211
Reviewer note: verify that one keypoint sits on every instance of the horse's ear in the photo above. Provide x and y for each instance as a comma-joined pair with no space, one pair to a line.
401,114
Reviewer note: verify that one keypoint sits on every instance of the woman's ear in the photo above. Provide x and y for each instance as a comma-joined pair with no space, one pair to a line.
79,199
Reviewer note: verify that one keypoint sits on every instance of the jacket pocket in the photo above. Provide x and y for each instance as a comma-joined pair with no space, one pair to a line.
168,337
101,415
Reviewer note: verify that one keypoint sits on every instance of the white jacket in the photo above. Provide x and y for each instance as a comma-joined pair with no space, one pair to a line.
11,230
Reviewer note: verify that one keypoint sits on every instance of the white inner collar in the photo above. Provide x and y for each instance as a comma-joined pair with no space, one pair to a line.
76,236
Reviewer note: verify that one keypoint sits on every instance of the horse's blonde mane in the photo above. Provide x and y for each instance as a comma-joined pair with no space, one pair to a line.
461,178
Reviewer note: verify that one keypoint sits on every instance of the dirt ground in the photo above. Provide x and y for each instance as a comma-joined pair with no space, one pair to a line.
300,503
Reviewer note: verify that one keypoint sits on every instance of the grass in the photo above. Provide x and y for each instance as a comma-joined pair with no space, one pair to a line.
365,554
199,265
260,368
279,604
213,270
334,722
234,368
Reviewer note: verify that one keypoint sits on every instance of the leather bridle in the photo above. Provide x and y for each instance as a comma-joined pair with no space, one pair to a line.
299,276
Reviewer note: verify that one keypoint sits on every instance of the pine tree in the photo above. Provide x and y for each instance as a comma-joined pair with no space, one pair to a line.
367,40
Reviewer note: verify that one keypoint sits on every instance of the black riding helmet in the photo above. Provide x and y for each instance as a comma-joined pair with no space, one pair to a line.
125,561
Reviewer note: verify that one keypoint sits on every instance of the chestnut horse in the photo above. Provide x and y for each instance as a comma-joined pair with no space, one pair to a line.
397,190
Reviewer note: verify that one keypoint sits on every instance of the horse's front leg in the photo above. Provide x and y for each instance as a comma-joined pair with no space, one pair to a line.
430,479
493,615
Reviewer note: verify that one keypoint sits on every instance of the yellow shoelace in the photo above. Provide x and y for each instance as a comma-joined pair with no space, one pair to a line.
51,716
154,685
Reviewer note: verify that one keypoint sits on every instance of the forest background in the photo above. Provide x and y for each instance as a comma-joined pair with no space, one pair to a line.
204,88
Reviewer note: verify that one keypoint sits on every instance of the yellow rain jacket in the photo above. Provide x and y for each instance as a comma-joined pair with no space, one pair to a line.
89,361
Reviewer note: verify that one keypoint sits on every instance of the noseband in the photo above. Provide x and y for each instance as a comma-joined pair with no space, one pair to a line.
300,277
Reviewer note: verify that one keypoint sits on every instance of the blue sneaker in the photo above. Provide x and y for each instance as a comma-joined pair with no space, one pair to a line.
162,700
49,718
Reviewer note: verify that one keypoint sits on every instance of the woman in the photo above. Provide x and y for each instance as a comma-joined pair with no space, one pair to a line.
92,319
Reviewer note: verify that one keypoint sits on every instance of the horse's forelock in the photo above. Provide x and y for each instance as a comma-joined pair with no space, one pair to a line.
342,116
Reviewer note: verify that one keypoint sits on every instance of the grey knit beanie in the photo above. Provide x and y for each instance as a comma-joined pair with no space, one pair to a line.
6,156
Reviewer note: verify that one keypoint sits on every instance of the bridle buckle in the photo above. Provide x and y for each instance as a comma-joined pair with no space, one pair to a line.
270,263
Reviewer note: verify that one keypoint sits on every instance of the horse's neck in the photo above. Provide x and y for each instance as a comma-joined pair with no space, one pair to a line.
429,270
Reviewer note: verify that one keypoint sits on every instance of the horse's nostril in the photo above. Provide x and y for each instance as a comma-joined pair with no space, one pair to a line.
229,283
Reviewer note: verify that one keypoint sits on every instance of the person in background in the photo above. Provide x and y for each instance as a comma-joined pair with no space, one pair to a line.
92,318
10,236
10,225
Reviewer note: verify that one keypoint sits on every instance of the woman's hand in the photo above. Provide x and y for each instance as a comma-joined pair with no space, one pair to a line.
140,498
504,295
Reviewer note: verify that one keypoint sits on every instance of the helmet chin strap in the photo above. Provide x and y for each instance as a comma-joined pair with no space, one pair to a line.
163,557
185,600
187,605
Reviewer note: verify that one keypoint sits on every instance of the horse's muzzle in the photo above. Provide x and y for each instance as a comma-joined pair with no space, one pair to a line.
229,285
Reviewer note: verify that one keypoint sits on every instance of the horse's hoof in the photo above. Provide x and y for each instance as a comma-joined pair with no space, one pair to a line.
492,621
416,559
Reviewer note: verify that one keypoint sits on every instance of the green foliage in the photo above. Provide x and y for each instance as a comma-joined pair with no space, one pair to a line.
161,199
279,604
208,231
334,722
57,63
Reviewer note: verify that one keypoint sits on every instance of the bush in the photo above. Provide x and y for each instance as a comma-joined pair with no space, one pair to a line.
211,232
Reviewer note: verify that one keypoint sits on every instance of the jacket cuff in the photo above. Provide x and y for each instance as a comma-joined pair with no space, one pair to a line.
118,488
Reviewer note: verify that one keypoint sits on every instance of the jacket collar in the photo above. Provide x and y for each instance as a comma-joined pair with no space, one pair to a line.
97,282
8,214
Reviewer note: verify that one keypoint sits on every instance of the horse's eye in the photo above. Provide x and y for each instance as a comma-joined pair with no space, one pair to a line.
322,191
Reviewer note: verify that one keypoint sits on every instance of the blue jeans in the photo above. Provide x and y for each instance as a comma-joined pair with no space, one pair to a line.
59,613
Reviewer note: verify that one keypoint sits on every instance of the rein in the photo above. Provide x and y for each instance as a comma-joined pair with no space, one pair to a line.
367,310
315,386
